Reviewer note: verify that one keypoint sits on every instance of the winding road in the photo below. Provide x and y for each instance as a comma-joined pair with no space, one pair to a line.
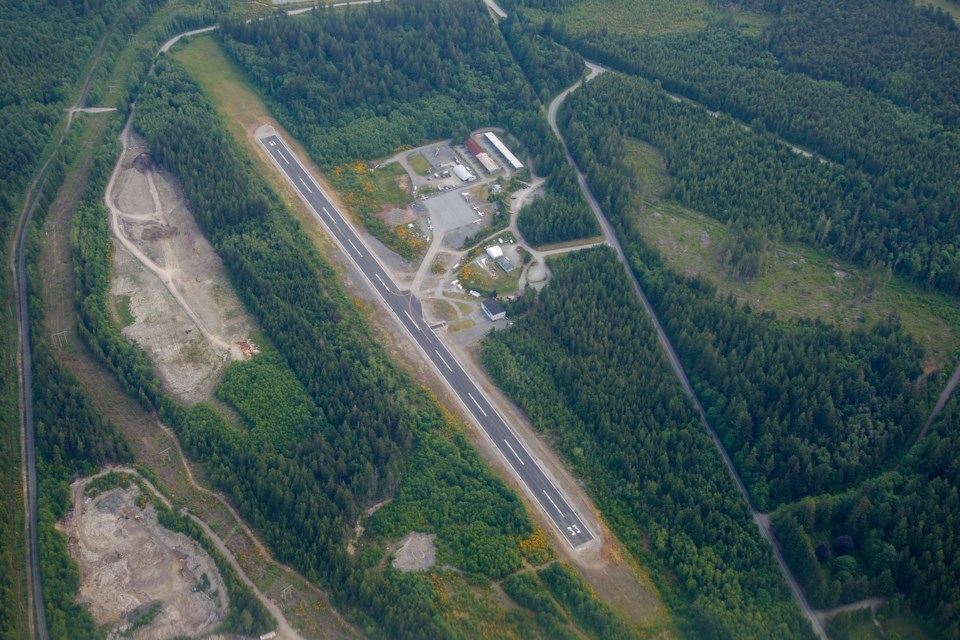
610,235
18,264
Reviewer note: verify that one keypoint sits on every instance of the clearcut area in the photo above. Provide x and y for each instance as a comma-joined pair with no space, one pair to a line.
169,289
136,577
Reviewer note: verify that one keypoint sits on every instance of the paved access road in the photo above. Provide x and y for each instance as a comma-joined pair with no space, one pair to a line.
406,307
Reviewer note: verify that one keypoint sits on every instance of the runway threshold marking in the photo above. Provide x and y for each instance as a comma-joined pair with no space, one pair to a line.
514,453
447,365
479,407
562,515
354,247
306,185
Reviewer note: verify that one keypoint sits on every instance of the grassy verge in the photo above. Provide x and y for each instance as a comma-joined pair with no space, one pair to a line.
797,280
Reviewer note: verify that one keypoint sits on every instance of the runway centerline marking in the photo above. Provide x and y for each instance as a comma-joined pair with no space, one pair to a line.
296,171
445,363
407,313
515,453
479,407
562,515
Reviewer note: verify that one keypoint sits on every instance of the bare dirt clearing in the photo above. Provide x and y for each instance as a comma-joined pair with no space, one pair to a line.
128,562
169,287
417,552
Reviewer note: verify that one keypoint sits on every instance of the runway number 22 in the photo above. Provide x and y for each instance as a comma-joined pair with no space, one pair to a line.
573,529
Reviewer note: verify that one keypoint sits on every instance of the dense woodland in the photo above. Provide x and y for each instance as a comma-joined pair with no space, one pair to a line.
572,364
42,46
893,48
885,198
362,84
904,527
549,67
893,163
330,426
804,408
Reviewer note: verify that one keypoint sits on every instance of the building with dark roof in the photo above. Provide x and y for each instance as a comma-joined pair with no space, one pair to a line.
493,309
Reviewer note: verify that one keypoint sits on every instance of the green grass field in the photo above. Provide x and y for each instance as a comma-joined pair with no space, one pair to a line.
123,310
798,280
223,84
473,277
419,164
905,627
949,6
639,17
391,185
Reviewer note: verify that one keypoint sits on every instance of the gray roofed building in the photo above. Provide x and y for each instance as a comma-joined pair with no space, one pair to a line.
493,309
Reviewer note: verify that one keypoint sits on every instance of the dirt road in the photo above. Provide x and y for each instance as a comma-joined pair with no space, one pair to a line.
675,364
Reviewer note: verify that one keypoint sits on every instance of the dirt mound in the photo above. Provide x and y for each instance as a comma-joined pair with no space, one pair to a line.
145,162
132,569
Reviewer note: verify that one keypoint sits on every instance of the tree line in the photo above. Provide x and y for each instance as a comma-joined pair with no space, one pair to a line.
329,425
362,84
585,365
897,162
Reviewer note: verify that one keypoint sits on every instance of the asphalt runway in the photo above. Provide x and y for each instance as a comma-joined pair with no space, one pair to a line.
406,307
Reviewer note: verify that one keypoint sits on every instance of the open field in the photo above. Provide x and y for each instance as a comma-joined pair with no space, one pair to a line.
419,164
647,16
798,280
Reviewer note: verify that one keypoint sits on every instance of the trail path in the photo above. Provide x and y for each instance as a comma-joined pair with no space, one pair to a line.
941,401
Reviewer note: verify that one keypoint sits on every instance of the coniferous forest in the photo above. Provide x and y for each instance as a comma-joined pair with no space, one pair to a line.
362,84
825,423
814,416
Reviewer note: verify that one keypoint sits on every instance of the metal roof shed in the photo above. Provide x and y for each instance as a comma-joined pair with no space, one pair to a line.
502,148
